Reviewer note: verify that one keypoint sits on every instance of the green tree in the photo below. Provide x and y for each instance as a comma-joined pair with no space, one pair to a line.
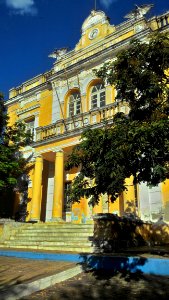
12,163
135,144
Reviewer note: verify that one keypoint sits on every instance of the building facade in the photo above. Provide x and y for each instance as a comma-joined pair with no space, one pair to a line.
56,107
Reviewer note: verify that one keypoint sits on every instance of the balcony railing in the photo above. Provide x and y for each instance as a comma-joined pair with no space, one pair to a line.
163,21
70,125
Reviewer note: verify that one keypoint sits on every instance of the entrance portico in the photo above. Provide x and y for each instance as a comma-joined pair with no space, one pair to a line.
48,191
47,182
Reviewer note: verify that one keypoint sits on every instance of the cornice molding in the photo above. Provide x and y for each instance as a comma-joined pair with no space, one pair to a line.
50,149
28,93
20,112
72,69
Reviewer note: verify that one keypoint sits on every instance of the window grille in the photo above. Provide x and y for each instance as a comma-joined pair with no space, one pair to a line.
74,104
98,96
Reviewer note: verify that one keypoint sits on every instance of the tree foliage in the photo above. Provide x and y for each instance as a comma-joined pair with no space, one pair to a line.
12,139
135,144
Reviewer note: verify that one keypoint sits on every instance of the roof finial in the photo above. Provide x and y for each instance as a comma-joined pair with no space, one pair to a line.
139,11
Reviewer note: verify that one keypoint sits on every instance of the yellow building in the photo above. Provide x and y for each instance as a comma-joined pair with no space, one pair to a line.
57,105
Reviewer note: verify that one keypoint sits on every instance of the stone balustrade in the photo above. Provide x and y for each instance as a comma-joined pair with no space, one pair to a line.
77,122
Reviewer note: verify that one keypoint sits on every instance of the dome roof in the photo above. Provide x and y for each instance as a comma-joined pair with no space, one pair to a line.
95,17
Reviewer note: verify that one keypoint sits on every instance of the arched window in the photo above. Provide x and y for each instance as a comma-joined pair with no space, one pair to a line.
74,104
98,95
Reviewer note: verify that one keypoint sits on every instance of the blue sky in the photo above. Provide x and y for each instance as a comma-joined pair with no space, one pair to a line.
31,29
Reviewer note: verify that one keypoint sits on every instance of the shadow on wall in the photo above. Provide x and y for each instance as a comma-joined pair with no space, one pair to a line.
115,234
166,211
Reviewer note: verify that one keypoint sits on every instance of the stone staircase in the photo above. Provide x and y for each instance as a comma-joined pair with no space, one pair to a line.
65,237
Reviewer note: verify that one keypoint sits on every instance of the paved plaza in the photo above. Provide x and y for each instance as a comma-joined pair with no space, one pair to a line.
19,277
17,272
120,287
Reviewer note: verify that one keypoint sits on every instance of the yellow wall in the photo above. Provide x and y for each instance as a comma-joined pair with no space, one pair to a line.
104,30
12,113
45,116
165,199
129,196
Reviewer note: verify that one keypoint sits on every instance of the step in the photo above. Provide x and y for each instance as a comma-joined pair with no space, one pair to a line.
59,229
53,234
50,238
69,225
16,242
60,224
54,231
56,225
50,248
41,238
58,237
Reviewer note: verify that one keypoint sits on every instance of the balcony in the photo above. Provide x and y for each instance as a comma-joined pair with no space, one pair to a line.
77,123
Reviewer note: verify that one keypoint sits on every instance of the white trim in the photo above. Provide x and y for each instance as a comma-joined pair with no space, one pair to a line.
20,112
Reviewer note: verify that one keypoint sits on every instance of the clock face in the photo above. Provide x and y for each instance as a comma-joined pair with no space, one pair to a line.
93,33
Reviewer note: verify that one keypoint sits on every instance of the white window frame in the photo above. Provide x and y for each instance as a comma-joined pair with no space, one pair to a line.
74,104
30,125
98,96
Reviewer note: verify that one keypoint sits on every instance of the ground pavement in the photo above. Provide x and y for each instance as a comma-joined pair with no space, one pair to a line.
24,276
15,272
121,286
